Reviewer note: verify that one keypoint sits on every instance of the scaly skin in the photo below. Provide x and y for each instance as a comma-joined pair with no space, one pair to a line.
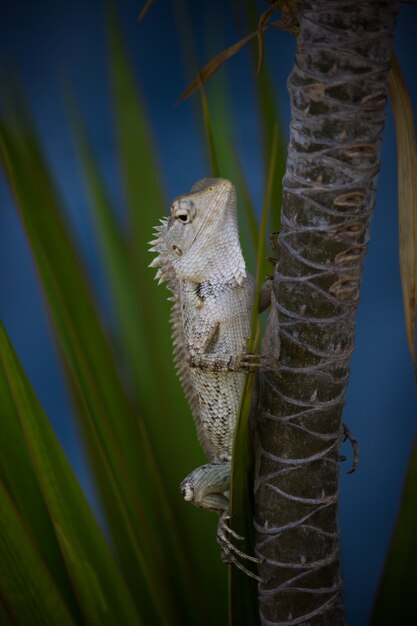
200,259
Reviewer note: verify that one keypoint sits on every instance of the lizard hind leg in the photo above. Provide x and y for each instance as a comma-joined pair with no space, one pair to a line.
205,486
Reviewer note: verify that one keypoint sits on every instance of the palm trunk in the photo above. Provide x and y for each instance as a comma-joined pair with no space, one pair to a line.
338,101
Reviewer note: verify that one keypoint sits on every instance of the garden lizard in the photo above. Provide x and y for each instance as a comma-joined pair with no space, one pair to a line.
200,258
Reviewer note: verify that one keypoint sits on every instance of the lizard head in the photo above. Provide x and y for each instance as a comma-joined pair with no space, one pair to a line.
199,241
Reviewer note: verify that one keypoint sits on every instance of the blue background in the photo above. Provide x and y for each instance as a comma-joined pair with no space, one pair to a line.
47,42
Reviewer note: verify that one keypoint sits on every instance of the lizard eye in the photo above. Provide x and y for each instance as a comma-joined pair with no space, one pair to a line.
184,217
183,210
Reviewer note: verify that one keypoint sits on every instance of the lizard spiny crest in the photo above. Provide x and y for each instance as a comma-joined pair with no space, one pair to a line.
199,242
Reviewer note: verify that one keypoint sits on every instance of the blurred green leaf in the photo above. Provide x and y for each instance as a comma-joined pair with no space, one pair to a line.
19,479
395,601
214,165
6,618
217,121
218,112
112,430
251,223
144,196
27,588
150,334
242,589
269,116
151,342
407,199
100,589
113,246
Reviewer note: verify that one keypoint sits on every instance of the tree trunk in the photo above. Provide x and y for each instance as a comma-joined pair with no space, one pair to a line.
338,101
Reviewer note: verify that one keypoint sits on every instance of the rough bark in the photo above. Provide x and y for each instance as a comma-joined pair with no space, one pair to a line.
338,100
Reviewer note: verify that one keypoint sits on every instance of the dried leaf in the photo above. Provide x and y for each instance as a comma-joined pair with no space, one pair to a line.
242,587
145,9
212,66
407,198
261,27
288,22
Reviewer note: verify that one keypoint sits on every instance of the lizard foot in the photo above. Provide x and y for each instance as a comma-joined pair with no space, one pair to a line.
355,447
229,552
251,362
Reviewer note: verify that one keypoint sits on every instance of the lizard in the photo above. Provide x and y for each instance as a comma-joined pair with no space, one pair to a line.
199,257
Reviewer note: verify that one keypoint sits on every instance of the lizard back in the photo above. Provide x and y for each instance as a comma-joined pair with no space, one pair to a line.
200,259
217,394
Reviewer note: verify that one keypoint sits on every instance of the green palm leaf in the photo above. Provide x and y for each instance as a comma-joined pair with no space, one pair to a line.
101,592
243,590
112,429
29,592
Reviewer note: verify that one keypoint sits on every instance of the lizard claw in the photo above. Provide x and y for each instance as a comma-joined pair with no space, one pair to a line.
229,552
224,520
251,362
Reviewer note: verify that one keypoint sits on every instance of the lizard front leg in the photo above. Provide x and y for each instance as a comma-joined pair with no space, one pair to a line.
203,355
212,362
